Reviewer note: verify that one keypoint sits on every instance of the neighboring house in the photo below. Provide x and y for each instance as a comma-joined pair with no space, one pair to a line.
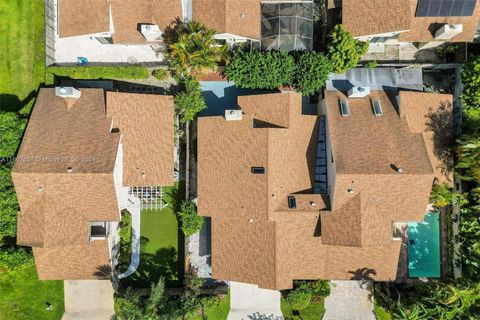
297,196
77,160
418,23
274,24
110,30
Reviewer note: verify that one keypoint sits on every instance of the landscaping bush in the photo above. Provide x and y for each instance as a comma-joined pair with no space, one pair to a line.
189,101
261,69
312,70
8,204
299,298
443,195
161,74
11,131
317,288
97,72
343,50
15,257
471,94
191,222
125,235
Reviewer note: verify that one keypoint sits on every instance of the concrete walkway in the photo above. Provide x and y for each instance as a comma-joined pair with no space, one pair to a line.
88,300
350,300
249,302
134,209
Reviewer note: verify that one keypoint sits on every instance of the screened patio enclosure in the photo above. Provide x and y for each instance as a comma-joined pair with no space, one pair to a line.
287,26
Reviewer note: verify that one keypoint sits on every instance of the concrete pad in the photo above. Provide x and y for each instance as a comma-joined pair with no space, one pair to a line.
88,299
350,300
249,302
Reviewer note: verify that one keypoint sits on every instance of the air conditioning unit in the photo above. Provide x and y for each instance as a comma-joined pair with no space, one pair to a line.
151,32
233,115
448,31
358,92
67,92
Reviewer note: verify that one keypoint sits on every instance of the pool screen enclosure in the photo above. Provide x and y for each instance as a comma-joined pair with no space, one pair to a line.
287,26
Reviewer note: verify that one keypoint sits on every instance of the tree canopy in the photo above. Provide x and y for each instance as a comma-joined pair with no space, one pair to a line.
343,50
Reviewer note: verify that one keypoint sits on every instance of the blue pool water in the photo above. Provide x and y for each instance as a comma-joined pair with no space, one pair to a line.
424,247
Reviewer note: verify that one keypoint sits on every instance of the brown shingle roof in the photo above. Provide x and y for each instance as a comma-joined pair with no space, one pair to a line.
83,17
229,16
127,15
368,17
56,206
431,114
422,29
146,124
253,232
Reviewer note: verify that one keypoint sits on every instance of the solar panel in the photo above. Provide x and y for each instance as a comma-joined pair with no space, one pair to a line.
377,108
445,8
344,109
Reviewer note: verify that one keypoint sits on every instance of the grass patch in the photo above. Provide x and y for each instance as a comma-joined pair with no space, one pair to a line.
380,313
161,244
25,297
22,58
314,311
216,312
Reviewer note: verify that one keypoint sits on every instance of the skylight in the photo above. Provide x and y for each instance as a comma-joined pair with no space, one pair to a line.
287,26
344,108
377,107
258,170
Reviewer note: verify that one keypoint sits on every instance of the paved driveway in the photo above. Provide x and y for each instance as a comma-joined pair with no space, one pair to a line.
349,300
88,300
249,302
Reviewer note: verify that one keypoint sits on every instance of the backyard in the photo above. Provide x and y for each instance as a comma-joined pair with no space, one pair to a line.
161,244
25,297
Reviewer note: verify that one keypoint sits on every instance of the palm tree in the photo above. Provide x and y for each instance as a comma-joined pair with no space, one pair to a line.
193,49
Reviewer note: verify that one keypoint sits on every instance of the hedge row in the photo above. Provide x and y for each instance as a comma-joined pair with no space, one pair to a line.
97,72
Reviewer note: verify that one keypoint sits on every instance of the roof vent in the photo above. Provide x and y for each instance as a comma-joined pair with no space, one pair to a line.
344,108
151,32
358,92
350,191
67,92
233,115
69,169
40,189
397,169
377,108
448,31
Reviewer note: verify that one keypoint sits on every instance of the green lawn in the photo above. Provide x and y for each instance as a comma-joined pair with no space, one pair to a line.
161,240
314,311
219,312
24,297
22,57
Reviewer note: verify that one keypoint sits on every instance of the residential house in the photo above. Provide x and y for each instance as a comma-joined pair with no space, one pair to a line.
82,152
410,25
272,24
293,195
109,30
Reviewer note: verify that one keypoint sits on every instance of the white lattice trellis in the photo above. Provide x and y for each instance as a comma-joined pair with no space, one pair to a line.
151,197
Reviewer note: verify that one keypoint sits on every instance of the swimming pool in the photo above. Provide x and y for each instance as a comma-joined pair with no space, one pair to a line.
424,247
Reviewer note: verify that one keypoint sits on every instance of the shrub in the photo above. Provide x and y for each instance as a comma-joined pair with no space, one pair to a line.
8,204
191,222
11,131
371,64
318,288
125,235
97,72
15,257
161,74
343,50
260,69
312,70
298,298
443,195
190,101
471,83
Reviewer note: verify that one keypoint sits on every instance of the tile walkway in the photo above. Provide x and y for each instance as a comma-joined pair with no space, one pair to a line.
349,300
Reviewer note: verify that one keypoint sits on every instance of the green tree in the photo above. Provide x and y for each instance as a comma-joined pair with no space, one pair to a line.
260,69
192,292
443,195
471,83
192,50
343,50
11,131
468,152
298,298
191,222
190,101
311,72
